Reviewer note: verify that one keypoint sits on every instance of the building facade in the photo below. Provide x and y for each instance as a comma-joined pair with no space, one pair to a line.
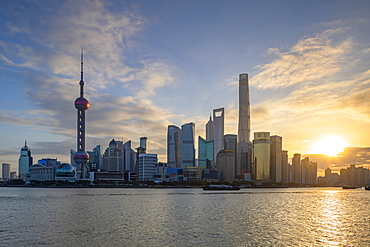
187,145
226,164
261,156
5,171
218,126
205,153
173,146
297,170
276,158
244,153
147,167
24,162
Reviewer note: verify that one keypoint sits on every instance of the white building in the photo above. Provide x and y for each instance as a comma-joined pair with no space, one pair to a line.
147,166
6,171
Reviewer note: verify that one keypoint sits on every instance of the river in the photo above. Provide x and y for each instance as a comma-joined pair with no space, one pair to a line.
184,217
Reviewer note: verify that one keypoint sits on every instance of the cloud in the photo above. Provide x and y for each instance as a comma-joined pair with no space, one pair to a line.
311,59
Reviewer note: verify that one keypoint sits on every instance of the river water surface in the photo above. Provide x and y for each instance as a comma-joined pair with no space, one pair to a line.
184,217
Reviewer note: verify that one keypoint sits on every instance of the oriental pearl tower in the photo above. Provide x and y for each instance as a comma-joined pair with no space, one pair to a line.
81,157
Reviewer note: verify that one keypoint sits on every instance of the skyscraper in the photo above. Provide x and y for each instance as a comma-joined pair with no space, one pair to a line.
297,170
226,164
276,158
6,171
285,177
244,156
173,146
81,157
210,130
218,125
205,153
147,166
261,155
187,145
25,160
231,143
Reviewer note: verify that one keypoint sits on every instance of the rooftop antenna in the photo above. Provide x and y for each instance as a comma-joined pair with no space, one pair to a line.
82,83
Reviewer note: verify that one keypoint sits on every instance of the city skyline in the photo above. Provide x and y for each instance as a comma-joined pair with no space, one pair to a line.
148,67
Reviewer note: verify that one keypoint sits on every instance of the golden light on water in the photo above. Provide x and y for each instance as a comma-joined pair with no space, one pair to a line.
329,145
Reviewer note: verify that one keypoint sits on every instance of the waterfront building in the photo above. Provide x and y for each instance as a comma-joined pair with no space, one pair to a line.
211,175
187,145
173,146
96,159
244,152
119,157
205,153
218,126
193,173
284,167
261,156
5,171
160,172
276,158
355,176
313,173
231,143
306,171
13,175
226,164
210,130
81,157
25,161
297,170
147,166
40,172
174,174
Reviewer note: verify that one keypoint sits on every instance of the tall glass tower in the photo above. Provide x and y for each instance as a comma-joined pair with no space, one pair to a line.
218,126
261,156
187,145
244,158
205,153
81,157
173,146
25,160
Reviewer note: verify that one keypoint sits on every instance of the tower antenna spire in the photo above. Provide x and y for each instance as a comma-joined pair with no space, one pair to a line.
82,83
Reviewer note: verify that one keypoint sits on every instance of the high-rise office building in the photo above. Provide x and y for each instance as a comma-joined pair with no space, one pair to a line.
231,143
205,153
218,126
244,154
173,146
284,167
261,156
187,145
226,164
276,158
210,130
297,170
306,171
5,171
25,160
119,157
147,166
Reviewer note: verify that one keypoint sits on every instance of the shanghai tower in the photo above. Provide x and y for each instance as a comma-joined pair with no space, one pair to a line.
244,162
81,157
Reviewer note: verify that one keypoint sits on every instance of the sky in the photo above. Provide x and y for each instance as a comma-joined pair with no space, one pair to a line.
149,64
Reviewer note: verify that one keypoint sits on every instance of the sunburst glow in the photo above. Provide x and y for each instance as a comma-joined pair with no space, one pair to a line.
329,145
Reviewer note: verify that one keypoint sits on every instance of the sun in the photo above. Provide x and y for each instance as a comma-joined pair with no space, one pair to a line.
329,145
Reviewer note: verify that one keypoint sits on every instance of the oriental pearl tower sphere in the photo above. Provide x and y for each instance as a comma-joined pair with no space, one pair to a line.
81,157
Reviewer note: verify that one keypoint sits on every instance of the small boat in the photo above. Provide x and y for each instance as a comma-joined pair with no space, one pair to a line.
221,187
346,187
367,187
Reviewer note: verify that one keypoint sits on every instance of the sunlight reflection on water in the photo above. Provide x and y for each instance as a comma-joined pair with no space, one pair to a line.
184,217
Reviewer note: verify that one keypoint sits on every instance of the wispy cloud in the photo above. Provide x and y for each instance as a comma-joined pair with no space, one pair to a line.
311,59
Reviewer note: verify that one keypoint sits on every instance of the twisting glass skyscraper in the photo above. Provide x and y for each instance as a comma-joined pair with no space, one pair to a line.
81,157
